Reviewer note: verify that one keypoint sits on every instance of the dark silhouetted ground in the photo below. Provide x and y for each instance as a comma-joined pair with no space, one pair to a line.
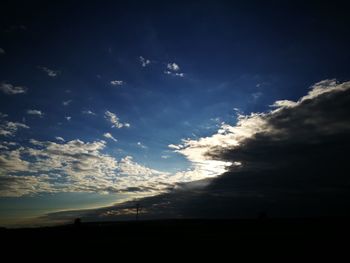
255,232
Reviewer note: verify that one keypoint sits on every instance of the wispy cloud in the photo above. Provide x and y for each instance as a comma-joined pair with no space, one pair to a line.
109,136
174,74
112,118
173,70
50,72
14,28
257,95
58,138
141,145
144,62
175,147
67,102
35,112
173,67
3,115
88,112
9,89
9,128
117,82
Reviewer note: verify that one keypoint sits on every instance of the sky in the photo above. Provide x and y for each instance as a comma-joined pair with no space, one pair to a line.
176,104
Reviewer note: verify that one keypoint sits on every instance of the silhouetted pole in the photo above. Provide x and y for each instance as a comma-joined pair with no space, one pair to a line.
137,211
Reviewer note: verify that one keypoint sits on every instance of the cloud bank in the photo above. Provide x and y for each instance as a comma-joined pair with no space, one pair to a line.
78,166
9,89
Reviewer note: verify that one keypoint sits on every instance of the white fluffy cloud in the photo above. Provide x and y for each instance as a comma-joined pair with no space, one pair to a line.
50,72
114,120
144,62
77,166
173,67
66,102
109,136
173,70
117,82
9,128
88,112
9,89
173,146
35,112
141,145
174,73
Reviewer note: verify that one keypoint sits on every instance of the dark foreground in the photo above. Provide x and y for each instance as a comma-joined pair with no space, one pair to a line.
315,233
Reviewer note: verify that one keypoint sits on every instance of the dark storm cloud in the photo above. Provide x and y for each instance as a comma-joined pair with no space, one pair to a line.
297,164
314,127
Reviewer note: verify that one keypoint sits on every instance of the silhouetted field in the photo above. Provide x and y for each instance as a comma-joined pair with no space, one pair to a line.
310,232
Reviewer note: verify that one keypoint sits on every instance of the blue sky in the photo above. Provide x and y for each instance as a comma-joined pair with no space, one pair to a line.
171,70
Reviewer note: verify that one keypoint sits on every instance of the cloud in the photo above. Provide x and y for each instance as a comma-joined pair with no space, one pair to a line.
73,166
176,147
88,112
144,62
50,72
35,112
109,136
58,138
14,186
66,102
9,128
117,82
14,28
141,145
257,95
11,161
176,74
173,67
2,51
3,115
77,166
9,89
68,118
112,118
180,74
